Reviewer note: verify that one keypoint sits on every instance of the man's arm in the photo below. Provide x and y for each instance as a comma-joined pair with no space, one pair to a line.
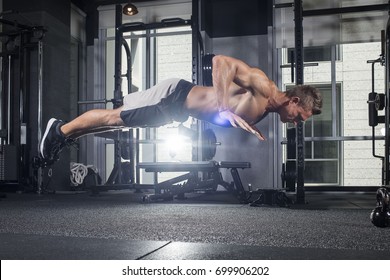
227,70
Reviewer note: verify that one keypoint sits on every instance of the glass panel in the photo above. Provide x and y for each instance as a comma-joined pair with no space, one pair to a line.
326,149
323,122
173,60
321,171
314,54
330,29
308,150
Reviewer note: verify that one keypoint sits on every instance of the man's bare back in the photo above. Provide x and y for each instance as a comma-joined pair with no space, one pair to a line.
241,94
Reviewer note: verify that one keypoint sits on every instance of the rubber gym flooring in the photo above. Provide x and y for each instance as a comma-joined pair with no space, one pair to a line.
116,225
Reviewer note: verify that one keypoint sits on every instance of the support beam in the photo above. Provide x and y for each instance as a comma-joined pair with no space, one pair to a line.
345,10
298,31
386,175
117,88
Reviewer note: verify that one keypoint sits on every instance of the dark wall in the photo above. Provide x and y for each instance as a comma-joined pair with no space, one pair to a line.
58,8
228,18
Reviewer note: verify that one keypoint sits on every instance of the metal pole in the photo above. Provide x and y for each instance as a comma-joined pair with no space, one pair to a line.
195,41
40,86
334,89
118,87
40,98
387,110
1,97
9,100
298,31
197,76
345,10
118,54
129,65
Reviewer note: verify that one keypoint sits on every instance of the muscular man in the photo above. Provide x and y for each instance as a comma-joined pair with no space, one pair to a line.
241,96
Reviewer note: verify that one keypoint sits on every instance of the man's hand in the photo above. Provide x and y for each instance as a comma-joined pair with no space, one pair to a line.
236,121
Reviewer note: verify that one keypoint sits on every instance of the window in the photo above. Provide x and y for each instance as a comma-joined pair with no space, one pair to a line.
338,148
316,54
323,157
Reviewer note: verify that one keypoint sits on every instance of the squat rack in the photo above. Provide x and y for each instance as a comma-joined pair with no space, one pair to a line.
299,15
120,28
115,178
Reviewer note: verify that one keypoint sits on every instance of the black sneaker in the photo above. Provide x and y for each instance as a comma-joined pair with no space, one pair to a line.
52,141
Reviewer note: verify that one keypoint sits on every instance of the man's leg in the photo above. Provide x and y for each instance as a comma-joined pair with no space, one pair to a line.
91,121
59,133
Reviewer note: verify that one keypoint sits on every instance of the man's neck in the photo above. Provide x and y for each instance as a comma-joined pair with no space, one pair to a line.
276,101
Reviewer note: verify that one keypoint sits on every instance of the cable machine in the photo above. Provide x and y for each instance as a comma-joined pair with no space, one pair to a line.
21,69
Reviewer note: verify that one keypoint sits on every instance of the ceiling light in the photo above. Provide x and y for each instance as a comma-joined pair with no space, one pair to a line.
130,10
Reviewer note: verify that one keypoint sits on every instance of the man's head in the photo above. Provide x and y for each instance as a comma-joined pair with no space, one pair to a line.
303,102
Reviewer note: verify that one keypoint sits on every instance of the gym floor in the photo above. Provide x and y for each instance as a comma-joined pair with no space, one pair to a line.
116,225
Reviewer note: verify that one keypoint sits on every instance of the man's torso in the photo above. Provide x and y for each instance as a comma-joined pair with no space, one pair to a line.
202,104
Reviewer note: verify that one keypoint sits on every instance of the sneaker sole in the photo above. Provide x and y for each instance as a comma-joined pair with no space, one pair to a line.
48,127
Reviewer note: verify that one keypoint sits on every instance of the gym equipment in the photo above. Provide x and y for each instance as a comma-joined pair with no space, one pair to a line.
299,15
269,197
168,189
131,152
376,101
289,169
208,146
380,216
8,163
289,175
126,146
207,69
79,171
20,100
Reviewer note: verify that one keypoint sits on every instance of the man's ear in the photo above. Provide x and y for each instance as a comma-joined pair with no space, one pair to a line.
295,99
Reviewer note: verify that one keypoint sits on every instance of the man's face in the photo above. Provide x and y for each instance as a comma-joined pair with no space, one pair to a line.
293,113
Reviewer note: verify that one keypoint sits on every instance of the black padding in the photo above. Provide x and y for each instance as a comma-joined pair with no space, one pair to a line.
291,143
207,69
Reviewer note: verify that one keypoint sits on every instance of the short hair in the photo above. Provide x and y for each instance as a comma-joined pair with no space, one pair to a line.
310,97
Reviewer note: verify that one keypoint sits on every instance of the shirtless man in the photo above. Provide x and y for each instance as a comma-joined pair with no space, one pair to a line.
241,96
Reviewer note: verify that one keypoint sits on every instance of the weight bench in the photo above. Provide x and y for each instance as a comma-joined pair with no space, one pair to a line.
166,190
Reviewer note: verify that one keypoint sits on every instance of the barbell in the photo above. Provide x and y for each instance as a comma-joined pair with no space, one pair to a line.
289,175
209,144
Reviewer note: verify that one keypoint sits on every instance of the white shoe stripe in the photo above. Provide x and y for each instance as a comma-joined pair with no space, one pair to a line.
48,127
